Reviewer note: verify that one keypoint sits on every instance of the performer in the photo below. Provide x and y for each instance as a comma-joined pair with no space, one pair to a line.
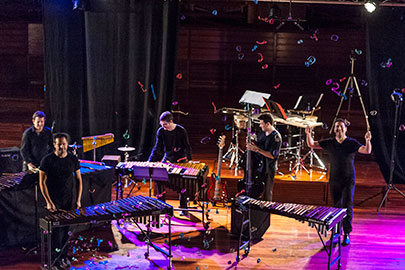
342,150
56,183
172,140
36,142
268,146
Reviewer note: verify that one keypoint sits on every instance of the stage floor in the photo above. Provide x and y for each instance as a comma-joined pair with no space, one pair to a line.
378,240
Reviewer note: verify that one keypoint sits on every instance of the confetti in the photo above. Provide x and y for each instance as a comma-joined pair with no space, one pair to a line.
214,12
402,127
261,58
241,56
258,260
238,48
153,91
182,17
254,48
205,139
177,149
358,52
334,37
277,86
57,249
328,82
215,108
363,83
179,76
229,262
224,118
314,36
342,79
228,127
92,190
335,87
126,135
183,191
274,250
261,42
99,242
299,42
175,103
141,85
213,130
311,59
181,235
265,66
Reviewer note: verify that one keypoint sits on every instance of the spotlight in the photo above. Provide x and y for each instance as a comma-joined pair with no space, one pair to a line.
370,6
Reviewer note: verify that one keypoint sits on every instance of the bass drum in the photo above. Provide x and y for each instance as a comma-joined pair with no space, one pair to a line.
257,167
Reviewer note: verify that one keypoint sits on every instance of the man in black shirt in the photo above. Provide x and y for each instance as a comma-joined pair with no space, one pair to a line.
56,183
172,144
268,146
342,150
36,142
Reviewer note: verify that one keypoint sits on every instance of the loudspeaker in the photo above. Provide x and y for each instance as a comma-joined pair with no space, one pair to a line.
10,160
260,222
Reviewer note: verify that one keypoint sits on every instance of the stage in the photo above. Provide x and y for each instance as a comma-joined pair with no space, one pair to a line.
377,239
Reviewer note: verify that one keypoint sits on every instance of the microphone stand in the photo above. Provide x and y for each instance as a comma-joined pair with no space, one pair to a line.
390,185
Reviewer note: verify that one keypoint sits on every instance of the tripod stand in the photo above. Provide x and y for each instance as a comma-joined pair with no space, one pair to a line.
397,98
352,81
234,150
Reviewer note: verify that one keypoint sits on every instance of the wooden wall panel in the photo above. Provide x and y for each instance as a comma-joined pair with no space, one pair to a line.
212,72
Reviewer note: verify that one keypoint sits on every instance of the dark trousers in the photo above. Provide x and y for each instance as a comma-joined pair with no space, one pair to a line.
342,191
60,235
268,186
160,188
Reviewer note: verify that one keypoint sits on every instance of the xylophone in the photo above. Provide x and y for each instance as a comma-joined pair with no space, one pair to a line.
323,218
137,208
183,177
11,180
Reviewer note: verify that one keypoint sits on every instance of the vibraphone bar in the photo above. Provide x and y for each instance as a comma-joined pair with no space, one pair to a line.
322,218
137,208
11,180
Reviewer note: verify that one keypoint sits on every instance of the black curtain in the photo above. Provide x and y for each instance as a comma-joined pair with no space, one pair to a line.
386,40
97,60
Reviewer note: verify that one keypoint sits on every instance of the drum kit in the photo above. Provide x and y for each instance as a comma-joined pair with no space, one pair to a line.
292,130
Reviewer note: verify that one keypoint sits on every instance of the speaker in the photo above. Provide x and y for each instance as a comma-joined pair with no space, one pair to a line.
259,222
10,160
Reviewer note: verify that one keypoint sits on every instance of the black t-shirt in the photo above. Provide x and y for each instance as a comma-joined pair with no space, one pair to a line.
173,144
341,157
60,176
35,146
270,143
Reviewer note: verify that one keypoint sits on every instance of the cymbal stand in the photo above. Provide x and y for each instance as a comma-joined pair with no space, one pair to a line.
233,150
352,81
299,164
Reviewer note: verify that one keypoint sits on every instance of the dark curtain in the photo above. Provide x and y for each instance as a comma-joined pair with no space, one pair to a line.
386,40
96,60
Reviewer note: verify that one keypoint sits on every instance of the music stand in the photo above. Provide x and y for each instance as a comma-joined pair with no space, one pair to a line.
152,173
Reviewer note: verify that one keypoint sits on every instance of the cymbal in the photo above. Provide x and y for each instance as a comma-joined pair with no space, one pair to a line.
231,111
75,146
126,148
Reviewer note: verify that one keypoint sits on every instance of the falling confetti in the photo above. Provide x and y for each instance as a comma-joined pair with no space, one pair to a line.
179,76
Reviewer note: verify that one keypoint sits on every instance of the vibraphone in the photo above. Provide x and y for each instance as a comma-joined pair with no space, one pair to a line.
323,218
132,208
183,177
11,180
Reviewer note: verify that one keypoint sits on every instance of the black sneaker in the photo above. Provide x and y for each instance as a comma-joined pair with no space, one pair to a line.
346,240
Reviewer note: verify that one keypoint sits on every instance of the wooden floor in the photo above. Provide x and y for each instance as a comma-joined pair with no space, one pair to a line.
378,241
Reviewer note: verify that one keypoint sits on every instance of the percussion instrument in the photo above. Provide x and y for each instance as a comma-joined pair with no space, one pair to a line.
126,148
128,209
323,218
11,180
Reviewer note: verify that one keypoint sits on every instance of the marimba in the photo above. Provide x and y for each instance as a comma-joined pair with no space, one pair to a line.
131,208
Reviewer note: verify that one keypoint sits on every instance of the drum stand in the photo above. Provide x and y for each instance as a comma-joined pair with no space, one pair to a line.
299,161
312,154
